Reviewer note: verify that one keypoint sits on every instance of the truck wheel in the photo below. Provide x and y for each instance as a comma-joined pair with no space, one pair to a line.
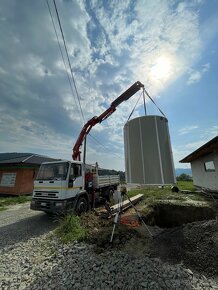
110,194
82,205
49,214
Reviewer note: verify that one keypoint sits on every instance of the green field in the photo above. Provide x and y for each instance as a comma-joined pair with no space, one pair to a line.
186,185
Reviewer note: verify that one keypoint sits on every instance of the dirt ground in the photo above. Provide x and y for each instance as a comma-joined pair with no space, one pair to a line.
195,244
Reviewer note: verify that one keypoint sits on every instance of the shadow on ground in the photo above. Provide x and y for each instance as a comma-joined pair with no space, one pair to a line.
26,228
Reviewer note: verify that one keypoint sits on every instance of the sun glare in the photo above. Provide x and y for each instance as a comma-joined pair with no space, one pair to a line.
162,69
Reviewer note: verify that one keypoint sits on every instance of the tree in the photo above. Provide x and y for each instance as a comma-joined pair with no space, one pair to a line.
184,177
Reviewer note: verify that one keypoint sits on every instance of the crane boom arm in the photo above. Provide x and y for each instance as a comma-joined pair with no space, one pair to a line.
95,120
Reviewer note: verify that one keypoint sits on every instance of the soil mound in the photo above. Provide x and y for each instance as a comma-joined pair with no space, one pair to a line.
194,244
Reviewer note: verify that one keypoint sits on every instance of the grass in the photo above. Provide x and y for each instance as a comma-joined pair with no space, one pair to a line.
153,193
70,229
2,208
6,201
185,185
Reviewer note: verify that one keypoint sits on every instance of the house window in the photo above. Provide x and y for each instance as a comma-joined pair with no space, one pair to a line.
209,166
8,179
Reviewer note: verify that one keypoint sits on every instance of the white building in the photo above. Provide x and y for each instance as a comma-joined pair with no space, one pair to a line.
204,164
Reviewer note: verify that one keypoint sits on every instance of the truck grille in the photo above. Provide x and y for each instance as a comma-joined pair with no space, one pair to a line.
44,204
53,194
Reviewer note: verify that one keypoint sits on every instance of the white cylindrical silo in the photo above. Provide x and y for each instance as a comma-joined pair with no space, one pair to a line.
148,154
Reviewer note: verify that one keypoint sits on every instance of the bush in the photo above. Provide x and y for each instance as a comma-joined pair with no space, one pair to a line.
184,177
70,229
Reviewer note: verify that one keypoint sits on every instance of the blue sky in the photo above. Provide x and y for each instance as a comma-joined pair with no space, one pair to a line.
170,46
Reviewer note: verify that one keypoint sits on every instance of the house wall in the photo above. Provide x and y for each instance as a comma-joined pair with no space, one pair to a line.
203,178
23,183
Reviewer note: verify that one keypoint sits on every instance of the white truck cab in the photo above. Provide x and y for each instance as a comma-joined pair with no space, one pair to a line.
57,186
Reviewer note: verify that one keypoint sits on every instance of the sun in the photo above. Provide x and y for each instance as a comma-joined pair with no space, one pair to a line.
162,69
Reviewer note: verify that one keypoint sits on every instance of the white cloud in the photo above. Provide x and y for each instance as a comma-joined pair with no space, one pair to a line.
209,28
188,129
155,32
32,64
37,138
196,76
210,133
2,71
205,67
179,152
194,145
183,150
111,45
189,145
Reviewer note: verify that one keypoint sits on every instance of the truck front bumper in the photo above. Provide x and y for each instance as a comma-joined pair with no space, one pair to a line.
50,206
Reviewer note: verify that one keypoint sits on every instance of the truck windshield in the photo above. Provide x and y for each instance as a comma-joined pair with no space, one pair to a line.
53,171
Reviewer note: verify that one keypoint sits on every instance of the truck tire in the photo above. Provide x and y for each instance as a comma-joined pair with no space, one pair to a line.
81,205
109,195
50,214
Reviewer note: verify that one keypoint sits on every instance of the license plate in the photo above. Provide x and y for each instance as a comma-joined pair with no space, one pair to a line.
43,204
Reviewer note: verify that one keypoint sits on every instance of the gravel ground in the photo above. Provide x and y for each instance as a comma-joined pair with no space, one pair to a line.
32,258
19,223
43,263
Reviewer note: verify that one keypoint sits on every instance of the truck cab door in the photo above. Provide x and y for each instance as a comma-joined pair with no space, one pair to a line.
75,183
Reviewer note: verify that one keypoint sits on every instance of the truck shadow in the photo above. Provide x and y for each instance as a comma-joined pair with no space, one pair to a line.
26,228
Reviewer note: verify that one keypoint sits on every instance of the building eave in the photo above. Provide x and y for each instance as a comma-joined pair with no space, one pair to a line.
209,147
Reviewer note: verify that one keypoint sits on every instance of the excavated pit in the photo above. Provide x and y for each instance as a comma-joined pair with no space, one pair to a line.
182,233
168,215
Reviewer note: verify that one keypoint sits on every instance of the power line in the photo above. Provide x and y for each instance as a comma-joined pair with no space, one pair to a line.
74,82
65,46
95,139
60,48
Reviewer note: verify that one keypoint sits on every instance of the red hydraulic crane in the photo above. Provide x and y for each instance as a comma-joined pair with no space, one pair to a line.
95,120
